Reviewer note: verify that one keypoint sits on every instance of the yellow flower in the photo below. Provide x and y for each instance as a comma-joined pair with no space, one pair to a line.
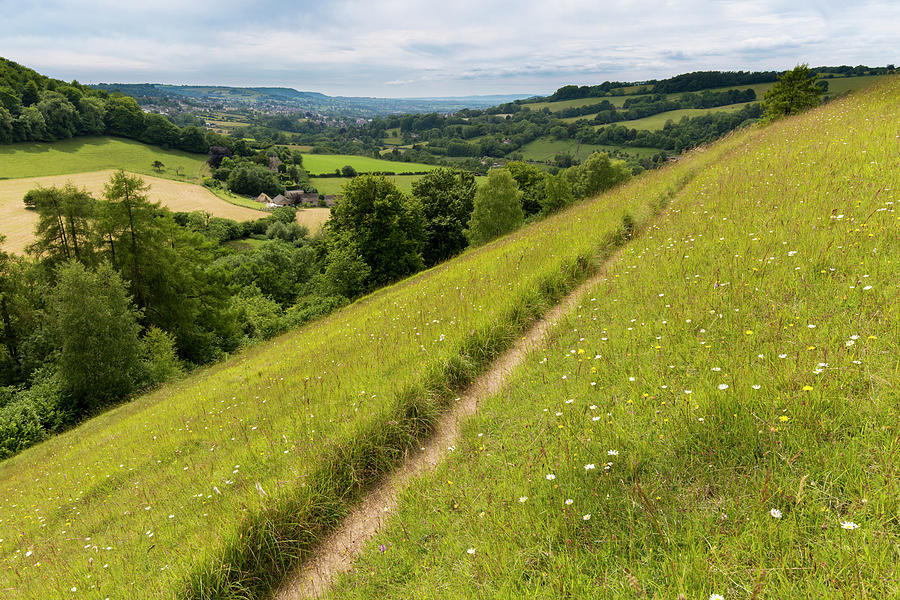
749,332
807,388
784,418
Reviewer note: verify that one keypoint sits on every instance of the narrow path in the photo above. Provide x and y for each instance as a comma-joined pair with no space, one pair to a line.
336,553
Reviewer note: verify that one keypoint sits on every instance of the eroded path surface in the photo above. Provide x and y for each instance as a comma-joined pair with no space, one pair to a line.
336,553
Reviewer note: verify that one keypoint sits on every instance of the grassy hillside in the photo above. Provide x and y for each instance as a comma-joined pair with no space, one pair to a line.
84,154
17,223
211,487
321,164
717,418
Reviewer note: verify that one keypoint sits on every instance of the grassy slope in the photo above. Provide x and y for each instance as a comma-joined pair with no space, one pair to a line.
83,154
738,359
221,480
326,163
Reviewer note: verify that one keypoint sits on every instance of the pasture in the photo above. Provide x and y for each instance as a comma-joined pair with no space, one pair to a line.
716,419
86,154
658,121
17,223
545,149
213,485
324,164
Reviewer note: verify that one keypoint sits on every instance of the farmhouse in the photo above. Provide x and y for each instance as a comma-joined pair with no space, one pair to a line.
263,198
280,200
301,198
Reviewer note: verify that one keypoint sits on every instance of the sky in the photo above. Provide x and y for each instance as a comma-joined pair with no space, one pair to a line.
417,48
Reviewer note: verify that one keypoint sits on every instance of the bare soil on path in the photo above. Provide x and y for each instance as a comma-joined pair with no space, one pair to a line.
336,553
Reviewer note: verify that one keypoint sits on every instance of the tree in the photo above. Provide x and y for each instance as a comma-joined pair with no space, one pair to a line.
64,223
193,140
447,197
124,117
346,272
253,179
348,171
596,174
158,165
386,226
795,92
60,115
90,116
95,329
557,193
497,210
530,180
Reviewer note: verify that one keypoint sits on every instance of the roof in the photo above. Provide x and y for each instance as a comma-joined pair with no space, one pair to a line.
263,198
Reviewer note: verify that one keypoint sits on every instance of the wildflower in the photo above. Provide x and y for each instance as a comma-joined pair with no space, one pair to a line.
723,386
589,467
782,356
569,501
471,551
612,452
587,517
381,548
716,597
756,386
849,525
523,499
550,477
775,513
784,418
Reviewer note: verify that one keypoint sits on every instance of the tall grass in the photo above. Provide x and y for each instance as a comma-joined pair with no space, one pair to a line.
717,418
214,486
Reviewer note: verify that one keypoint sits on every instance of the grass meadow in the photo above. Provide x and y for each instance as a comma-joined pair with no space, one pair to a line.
84,154
717,419
323,164
216,485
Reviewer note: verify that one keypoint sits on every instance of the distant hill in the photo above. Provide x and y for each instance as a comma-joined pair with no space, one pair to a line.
270,97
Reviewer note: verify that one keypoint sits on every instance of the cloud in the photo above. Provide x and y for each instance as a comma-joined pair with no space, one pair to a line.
419,47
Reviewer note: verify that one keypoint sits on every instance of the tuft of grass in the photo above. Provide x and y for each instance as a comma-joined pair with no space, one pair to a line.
717,416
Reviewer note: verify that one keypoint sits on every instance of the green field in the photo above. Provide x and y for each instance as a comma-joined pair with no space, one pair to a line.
717,419
85,154
319,164
392,137
658,121
222,479
545,149
333,185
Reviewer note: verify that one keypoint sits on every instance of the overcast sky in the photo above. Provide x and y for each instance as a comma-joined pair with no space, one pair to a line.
421,48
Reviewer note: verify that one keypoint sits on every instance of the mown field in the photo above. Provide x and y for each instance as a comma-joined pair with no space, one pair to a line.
320,164
17,223
717,419
83,154
215,485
